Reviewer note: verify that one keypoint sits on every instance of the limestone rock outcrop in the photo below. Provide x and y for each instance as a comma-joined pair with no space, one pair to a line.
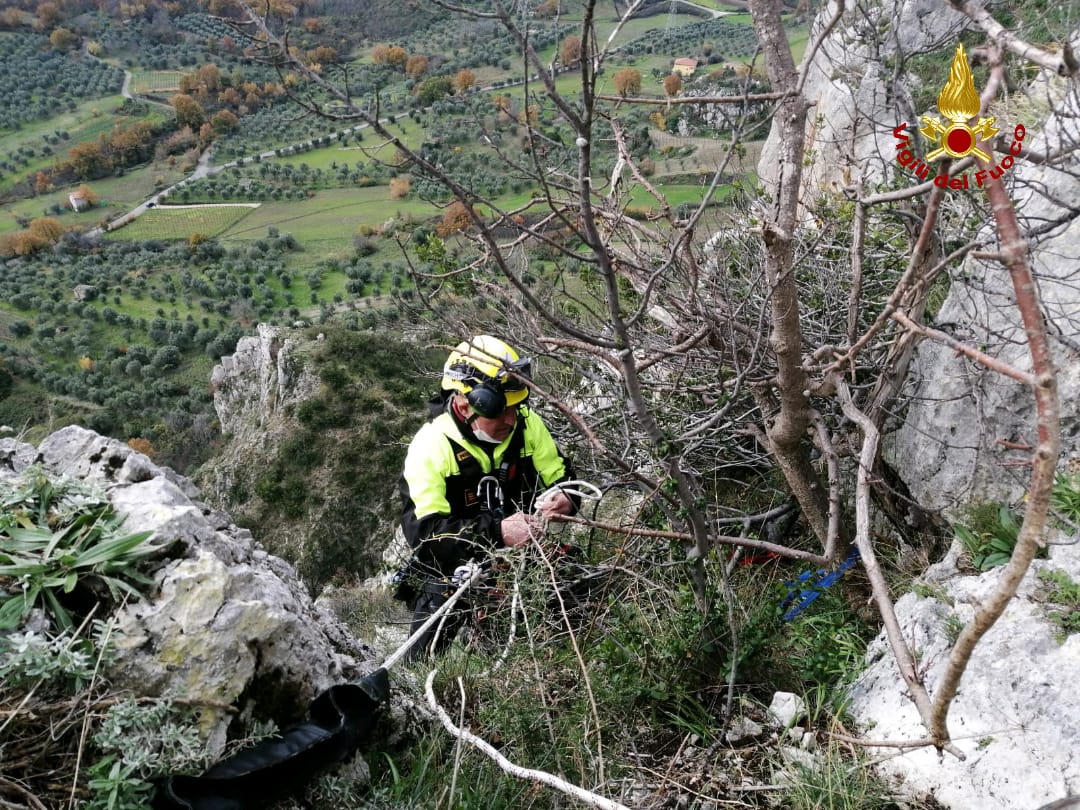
226,624
964,423
255,385
1016,716
858,96
963,435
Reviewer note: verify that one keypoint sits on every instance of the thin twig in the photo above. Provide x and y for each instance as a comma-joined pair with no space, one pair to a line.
584,796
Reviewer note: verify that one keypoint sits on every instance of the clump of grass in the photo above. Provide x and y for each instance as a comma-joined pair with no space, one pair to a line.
989,534
1064,597
835,781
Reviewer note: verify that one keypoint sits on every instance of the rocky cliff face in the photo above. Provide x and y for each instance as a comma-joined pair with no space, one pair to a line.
859,95
254,386
964,433
316,425
226,624
255,391
962,425
966,428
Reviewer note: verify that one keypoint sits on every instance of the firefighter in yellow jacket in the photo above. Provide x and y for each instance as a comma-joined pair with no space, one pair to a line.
472,475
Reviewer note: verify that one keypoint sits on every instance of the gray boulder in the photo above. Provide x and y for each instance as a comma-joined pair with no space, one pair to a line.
859,100
227,627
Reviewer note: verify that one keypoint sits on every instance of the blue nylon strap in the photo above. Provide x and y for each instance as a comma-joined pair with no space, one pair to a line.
811,584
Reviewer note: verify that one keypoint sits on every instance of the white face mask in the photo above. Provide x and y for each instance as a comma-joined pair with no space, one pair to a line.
484,436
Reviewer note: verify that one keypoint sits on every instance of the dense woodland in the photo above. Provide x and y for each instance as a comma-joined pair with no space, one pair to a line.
393,177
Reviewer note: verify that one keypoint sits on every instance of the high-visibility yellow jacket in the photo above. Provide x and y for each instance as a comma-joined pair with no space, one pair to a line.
444,514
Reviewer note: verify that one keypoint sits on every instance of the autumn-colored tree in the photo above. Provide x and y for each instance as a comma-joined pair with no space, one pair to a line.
547,9
324,55
627,82
88,194
189,113
10,18
141,445
416,66
464,80
61,39
189,83
223,121
313,25
88,160
86,363
125,144
530,115
42,183
672,84
570,50
658,120
505,105
19,243
389,55
282,9
210,78
399,187
230,97
48,16
206,133
457,217
47,229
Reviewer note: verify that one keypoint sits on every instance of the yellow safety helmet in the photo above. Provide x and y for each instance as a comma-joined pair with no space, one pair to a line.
478,369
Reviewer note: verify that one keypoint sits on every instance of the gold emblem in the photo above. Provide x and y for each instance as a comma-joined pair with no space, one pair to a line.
959,103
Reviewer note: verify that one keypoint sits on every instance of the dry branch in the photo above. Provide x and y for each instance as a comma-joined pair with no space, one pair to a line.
584,796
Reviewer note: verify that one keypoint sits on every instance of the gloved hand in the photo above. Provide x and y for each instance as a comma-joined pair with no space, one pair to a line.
519,529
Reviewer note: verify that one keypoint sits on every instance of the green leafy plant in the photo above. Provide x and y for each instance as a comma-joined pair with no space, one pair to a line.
61,546
30,657
140,741
1064,594
1065,497
989,535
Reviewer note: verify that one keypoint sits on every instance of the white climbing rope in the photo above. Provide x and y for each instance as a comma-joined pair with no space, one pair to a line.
465,576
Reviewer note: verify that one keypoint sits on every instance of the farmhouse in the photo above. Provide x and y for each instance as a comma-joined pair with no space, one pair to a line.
685,66
78,201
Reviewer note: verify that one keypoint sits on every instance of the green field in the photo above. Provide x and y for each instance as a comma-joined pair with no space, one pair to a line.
179,222
372,148
331,216
118,195
89,121
155,81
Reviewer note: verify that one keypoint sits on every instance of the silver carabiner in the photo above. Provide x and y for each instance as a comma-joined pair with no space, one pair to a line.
489,490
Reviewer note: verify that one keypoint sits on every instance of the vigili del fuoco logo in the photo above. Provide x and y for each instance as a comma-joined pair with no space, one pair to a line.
955,137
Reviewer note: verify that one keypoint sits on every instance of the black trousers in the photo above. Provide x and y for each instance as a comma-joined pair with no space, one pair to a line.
441,633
